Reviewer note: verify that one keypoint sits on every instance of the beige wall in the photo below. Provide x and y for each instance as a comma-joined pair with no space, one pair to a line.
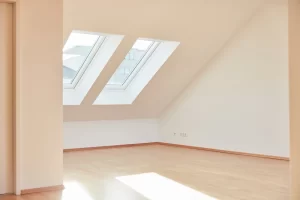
294,76
239,102
39,114
6,134
201,27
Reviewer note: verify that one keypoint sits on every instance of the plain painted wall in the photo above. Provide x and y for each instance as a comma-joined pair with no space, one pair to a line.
201,27
239,102
39,111
6,133
294,77
108,133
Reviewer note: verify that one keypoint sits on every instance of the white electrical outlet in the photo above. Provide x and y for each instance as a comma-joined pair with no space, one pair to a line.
182,134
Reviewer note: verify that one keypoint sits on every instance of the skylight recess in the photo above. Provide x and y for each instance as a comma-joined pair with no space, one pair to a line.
78,53
85,55
132,63
139,66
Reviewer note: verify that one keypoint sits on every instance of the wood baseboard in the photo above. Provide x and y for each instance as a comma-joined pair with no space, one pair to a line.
110,147
181,146
225,151
42,189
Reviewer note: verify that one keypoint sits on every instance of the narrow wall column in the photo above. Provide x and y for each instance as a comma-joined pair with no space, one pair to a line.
6,65
294,79
39,110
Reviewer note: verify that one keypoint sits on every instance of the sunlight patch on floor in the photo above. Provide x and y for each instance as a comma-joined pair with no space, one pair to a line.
73,190
156,187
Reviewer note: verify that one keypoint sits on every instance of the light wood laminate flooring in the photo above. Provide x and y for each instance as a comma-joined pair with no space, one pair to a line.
158,172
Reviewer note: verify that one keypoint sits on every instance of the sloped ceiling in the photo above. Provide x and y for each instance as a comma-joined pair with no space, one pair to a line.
201,26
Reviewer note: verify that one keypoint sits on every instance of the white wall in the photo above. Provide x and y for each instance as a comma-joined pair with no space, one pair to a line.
239,102
108,133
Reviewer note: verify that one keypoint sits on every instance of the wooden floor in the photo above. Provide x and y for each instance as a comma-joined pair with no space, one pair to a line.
97,175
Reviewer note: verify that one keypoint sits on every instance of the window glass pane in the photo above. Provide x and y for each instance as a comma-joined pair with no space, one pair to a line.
75,52
129,64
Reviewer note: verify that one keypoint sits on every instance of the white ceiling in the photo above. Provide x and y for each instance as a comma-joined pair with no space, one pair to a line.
202,27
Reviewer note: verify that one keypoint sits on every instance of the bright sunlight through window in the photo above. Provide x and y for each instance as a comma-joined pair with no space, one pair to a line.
133,62
78,52
156,187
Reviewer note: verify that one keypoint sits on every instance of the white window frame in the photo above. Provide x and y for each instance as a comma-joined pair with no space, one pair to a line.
107,49
127,96
88,59
137,68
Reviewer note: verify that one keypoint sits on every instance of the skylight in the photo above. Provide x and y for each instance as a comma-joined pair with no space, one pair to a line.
141,63
85,55
78,52
133,62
